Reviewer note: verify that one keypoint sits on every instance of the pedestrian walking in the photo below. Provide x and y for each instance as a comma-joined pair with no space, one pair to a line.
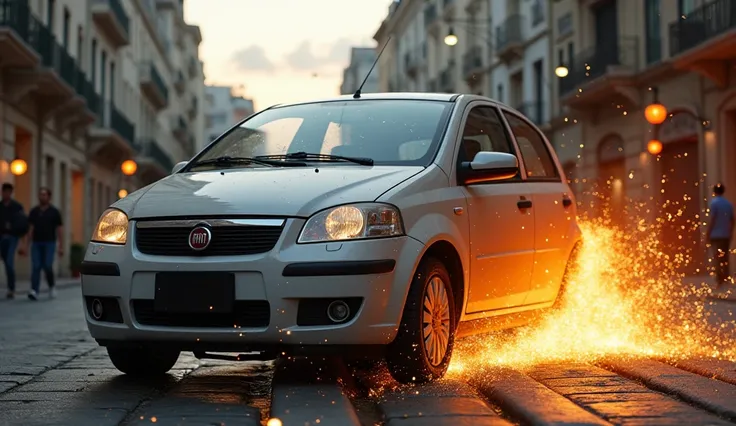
46,232
14,225
720,230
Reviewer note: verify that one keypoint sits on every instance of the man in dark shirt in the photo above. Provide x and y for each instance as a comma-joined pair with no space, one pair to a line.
11,218
45,232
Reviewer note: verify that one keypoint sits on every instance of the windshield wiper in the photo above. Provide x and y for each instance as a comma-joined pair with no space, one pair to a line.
227,160
319,157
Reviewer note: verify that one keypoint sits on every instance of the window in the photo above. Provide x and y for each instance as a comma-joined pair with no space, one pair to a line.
561,57
93,65
483,131
537,159
570,53
652,20
684,7
391,132
51,5
80,43
65,30
499,92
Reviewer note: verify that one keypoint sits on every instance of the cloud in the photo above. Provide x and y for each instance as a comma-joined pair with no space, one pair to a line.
252,58
303,59
340,50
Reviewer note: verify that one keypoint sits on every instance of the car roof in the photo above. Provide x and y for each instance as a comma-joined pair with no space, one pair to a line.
409,96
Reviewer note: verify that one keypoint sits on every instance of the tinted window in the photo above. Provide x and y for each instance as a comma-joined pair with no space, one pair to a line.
391,132
537,159
483,131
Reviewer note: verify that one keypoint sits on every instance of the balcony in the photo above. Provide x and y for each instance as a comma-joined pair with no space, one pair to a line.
193,67
113,22
412,63
112,136
19,35
154,162
430,15
706,40
193,108
534,111
448,8
179,129
153,86
180,83
510,38
602,74
473,64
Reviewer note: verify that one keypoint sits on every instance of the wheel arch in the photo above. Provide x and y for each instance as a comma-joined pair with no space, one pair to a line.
444,251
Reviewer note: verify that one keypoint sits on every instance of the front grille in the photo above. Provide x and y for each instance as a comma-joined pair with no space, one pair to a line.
225,241
246,314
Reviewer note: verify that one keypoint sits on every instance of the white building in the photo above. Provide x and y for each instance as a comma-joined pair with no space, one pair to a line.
361,60
88,84
224,110
501,50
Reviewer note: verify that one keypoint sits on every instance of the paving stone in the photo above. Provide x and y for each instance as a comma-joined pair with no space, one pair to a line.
447,407
54,415
449,421
722,370
711,394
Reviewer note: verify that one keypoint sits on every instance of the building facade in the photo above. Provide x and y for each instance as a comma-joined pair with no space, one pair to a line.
623,56
361,61
498,49
87,85
224,110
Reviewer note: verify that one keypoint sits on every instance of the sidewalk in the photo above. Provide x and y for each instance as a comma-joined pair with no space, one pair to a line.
22,287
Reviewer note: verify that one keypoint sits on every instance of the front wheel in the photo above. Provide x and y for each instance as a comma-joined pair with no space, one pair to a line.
141,360
422,349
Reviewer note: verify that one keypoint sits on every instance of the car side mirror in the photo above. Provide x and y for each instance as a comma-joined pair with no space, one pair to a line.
180,165
489,166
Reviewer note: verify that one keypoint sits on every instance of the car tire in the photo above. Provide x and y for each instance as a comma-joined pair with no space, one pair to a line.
569,271
413,356
141,360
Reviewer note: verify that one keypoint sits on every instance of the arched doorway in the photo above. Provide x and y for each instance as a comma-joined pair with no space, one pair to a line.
612,180
680,192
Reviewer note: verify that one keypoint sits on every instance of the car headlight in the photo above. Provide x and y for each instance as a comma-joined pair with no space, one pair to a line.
353,222
112,228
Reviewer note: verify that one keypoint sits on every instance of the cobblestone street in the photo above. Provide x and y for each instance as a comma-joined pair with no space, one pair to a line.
53,373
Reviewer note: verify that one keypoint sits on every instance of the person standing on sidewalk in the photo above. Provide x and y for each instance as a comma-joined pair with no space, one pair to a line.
13,226
720,230
46,231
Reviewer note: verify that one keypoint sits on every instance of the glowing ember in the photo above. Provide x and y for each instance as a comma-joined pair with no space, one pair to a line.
623,298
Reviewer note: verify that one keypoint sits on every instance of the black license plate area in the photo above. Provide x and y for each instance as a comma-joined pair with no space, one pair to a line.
194,292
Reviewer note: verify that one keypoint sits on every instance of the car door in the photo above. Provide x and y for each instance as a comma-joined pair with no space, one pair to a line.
501,222
553,209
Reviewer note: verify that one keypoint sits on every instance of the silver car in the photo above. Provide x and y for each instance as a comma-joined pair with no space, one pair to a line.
382,227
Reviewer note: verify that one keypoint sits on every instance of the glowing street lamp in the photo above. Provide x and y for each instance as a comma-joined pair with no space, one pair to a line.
451,38
18,167
129,167
654,147
655,113
561,71
122,193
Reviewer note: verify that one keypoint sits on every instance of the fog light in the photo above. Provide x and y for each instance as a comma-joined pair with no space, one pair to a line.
338,311
97,310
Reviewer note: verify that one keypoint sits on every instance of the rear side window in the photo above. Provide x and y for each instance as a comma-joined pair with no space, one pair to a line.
537,158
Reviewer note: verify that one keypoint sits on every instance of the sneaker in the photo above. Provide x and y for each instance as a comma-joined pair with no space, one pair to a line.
52,293
33,295
10,295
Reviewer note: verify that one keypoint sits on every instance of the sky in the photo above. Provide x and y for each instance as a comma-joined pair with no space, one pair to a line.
282,51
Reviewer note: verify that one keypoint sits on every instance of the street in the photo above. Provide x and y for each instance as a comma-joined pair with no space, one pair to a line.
53,373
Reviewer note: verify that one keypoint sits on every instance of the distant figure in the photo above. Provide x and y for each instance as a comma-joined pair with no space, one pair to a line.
720,230
46,232
13,226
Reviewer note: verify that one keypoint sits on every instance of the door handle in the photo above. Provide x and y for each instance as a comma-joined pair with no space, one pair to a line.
524,204
566,202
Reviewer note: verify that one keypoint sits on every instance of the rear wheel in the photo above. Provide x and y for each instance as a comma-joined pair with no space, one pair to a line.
141,360
422,349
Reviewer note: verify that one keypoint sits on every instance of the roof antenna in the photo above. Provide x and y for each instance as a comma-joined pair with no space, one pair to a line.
357,92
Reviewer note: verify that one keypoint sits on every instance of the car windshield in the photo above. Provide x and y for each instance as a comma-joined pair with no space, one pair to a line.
390,132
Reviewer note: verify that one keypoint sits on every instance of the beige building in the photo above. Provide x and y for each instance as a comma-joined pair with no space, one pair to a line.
86,85
623,56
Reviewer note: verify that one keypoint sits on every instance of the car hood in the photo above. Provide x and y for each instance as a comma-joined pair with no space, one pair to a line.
293,192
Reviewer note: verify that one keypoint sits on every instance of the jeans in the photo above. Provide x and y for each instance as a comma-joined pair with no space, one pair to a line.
8,246
721,253
42,257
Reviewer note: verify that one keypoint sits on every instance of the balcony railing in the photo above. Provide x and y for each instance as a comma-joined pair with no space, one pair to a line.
119,12
121,125
534,111
157,153
537,12
157,80
472,60
593,63
16,15
702,24
510,32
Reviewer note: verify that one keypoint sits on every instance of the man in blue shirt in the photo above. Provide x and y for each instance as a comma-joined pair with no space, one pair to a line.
720,229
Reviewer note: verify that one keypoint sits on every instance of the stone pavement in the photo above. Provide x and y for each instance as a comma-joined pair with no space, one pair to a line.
53,373
23,287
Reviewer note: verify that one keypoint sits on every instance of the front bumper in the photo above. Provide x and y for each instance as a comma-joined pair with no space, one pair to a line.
377,273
